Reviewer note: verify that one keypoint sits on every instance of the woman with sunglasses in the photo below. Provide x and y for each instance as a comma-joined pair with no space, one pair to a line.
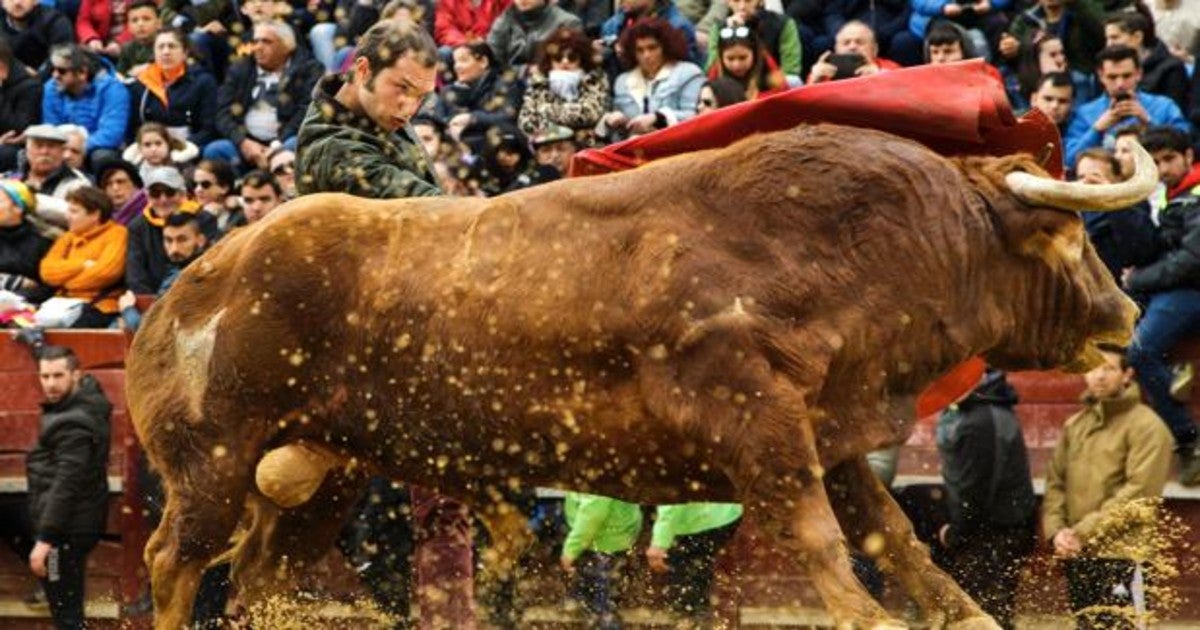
171,92
742,57
660,88
777,32
566,87
212,186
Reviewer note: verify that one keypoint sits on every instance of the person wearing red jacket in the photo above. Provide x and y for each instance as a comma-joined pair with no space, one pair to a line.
100,26
458,22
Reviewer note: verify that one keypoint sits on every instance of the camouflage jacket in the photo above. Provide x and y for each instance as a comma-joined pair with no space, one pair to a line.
341,151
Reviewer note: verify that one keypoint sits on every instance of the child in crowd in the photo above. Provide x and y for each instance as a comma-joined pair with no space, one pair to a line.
155,146
143,23
742,57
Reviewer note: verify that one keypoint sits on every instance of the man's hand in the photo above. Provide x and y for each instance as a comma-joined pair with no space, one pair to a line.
95,45
615,120
1126,276
643,124
952,9
567,564
657,559
112,49
866,69
214,28
1009,46
822,70
1066,543
983,6
127,300
1133,107
1109,117
460,121
12,137
37,558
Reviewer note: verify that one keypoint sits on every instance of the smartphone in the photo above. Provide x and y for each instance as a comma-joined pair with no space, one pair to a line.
846,64
1123,96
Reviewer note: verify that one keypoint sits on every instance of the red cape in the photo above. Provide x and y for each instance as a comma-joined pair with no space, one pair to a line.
954,109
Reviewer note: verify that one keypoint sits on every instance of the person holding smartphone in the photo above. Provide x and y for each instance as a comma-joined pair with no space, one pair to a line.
1119,70
855,54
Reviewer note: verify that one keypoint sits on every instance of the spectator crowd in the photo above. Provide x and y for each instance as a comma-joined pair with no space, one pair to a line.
134,134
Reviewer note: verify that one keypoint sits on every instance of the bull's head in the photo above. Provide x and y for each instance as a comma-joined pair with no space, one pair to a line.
1064,302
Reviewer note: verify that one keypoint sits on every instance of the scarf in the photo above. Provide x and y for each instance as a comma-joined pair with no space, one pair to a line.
158,80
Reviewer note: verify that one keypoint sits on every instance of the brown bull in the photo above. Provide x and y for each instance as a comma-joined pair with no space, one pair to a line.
734,325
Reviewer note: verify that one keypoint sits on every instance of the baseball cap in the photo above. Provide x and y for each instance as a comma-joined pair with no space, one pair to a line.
168,176
45,132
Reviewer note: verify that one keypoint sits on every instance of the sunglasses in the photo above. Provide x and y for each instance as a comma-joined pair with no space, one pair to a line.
284,169
155,193
568,56
739,32
708,102
205,184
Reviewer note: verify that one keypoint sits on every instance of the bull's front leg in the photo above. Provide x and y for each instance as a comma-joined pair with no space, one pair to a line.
869,514
782,487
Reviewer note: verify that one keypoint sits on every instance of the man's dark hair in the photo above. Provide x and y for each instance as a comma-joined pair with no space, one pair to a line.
93,200
259,178
1102,155
386,42
942,33
143,4
181,219
1112,348
54,353
1165,138
1117,54
74,57
1057,79
1131,22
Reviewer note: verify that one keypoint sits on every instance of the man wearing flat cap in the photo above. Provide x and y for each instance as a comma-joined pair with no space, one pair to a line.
553,148
47,173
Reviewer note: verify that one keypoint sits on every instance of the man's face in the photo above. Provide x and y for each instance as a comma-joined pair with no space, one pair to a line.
945,53
1119,77
73,81
164,200
270,53
143,23
1094,171
258,201
395,93
79,219
58,379
45,156
1108,380
1114,36
1053,101
529,5
430,139
182,242
118,186
856,38
18,9
283,167
74,150
10,214
1173,166
556,154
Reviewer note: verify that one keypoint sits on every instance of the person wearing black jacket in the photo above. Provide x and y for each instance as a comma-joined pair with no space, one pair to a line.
22,247
990,503
264,97
479,99
32,30
1162,72
68,487
20,104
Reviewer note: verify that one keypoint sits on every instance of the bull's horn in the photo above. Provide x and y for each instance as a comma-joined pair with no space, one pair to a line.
1042,191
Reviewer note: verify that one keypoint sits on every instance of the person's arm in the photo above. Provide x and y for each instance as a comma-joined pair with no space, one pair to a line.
205,114
713,19
714,44
687,96
114,116
1081,134
230,114
1147,464
975,457
665,526
363,172
137,265
499,39
1177,267
589,520
85,32
26,105
52,104
930,8
790,52
107,270
72,442
1054,504
56,268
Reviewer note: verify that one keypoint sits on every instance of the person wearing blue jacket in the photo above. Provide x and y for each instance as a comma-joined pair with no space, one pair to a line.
85,92
630,11
984,22
1096,122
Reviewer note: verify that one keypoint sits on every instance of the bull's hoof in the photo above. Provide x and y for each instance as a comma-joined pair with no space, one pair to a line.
982,622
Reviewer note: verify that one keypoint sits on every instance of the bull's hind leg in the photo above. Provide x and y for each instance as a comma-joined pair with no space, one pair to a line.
783,492
875,523
200,515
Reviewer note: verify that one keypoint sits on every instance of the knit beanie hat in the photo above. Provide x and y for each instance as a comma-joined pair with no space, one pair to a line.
20,195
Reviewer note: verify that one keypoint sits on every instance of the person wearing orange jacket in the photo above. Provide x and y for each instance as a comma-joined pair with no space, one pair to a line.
88,261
